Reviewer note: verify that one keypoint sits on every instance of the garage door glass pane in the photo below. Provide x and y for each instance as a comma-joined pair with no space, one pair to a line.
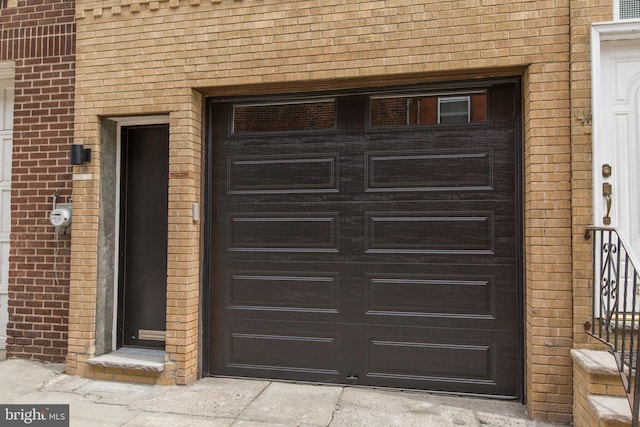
454,109
284,117
427,109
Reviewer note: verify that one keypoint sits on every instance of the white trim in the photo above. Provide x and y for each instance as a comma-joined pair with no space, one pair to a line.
7,70
452,99
614,30
596,113
124,121
82,177
7,84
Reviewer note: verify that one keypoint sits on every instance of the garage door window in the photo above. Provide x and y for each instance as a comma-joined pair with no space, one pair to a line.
428,109
297,116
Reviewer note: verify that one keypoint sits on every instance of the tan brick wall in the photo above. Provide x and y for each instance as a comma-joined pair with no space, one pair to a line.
583,13
548,241
137,57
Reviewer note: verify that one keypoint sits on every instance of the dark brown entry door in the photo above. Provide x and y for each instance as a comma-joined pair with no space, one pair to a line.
143,236
368,239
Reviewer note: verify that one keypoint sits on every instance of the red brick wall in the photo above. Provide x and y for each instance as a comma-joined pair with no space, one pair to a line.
39,35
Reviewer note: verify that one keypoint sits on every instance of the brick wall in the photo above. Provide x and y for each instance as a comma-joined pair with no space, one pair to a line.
39,36
583,13
143,57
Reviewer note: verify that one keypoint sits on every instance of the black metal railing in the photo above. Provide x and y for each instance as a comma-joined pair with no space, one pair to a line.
616,307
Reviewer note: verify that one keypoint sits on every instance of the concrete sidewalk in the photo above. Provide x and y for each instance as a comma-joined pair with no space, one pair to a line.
238,402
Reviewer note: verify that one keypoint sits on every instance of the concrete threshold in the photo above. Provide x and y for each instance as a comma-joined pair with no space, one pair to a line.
142,359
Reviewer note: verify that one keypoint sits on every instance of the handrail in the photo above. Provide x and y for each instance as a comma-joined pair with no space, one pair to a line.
615,317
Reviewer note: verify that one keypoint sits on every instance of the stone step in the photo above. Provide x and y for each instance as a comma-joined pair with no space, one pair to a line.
599,397
141,359
600,372
630,322
612,411
597,362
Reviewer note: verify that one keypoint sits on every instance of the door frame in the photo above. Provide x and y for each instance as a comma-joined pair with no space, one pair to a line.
7,84
124,122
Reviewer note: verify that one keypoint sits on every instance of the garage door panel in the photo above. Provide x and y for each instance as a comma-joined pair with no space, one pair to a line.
428,295
456,232
283,173
447,362
441,360
263,291
283,231
294,352
441,294
393,171
422,232
446,162
283,291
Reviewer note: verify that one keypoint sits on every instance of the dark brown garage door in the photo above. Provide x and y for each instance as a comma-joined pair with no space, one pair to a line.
368,238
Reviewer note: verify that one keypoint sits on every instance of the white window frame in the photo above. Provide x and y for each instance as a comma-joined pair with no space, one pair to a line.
451,100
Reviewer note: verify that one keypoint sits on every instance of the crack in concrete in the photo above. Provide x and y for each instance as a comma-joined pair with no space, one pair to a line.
337,407
239,417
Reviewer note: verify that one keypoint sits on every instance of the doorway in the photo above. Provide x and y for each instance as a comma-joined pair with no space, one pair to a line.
142,272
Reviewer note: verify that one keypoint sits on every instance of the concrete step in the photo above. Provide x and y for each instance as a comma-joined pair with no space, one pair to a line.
612,411
600,371
141,359
630,321
599,399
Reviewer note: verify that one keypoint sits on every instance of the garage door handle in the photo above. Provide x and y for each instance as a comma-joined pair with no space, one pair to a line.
352,378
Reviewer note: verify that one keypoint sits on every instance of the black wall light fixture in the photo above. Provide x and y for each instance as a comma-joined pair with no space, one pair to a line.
78,154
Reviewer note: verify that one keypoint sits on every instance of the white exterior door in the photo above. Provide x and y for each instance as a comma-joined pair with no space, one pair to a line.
616,137
6,144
